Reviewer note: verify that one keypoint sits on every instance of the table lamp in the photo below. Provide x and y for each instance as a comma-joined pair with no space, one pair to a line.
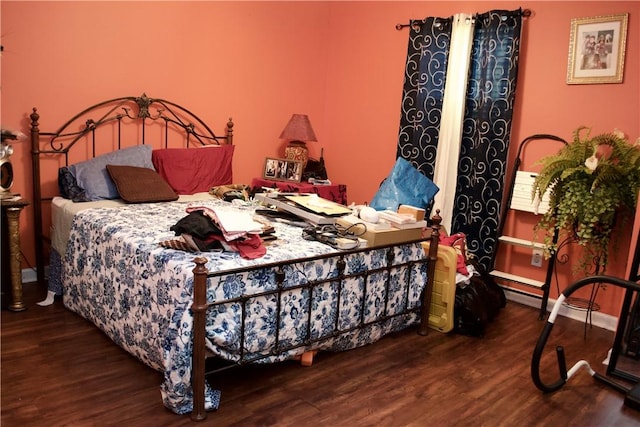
298,131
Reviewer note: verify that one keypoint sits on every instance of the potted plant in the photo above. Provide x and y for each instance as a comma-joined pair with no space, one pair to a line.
593,184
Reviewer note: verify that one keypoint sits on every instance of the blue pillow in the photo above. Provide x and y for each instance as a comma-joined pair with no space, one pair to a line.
92,175
405,185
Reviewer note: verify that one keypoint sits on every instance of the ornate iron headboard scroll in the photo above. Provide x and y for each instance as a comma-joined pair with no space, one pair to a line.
140,114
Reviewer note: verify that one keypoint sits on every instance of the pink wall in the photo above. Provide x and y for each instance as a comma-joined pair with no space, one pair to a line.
339,62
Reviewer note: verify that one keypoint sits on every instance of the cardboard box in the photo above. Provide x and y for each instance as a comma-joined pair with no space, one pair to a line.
386,237
417,213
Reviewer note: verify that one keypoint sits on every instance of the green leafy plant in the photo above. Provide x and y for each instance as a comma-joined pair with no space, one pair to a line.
593,184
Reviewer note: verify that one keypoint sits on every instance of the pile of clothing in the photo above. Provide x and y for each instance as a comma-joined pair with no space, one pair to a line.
206,229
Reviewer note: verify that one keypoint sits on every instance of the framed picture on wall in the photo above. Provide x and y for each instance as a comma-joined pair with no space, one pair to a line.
282,169
596,49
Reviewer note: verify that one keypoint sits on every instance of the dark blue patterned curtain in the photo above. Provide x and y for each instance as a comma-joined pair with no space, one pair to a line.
423,91
486,125
486,130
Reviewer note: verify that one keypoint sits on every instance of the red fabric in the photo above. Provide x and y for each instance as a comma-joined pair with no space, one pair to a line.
250,248
194,170
457,241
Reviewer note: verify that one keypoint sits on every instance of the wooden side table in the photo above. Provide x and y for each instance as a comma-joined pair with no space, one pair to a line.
11,255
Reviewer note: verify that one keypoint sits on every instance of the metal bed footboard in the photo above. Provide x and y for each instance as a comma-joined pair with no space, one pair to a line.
201,305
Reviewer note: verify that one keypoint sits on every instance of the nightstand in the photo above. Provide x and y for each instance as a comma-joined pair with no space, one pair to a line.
334,192
11,255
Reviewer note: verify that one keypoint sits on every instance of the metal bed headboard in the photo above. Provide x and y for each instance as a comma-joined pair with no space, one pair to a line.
166,118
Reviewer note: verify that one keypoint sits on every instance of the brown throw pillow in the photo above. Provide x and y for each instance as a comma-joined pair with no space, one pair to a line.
140,185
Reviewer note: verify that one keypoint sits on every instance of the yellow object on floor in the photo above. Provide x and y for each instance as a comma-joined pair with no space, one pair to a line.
443,297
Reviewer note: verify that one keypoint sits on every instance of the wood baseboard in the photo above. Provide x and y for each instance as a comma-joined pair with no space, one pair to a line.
601,320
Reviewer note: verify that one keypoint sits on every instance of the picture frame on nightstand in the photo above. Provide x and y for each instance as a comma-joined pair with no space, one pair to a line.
287,170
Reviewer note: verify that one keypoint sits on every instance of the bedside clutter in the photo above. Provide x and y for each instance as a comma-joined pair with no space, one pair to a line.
334,192
392,227
378,237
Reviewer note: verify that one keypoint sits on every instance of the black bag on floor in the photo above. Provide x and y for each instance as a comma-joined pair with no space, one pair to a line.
477,303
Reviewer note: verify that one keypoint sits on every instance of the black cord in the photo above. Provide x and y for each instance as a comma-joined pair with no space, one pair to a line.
328,234
352,229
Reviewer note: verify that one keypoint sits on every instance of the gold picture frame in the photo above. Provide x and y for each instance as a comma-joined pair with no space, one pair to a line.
596,49
282,169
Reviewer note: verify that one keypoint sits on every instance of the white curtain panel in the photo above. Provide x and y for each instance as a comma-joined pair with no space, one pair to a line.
446,167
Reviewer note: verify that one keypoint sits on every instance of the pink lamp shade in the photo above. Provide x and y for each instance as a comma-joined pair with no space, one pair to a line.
297,132
298,129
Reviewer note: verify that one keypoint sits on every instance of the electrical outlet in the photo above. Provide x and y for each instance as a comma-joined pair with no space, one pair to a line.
536,257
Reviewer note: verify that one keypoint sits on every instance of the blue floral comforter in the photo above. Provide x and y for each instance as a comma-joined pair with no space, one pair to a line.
117,276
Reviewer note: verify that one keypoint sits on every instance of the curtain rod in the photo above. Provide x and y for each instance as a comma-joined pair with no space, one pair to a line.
525,13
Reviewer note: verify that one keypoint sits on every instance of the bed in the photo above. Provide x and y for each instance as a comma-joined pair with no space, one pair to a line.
118,261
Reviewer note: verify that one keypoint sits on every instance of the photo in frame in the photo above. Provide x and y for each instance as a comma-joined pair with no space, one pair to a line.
282,169
596,49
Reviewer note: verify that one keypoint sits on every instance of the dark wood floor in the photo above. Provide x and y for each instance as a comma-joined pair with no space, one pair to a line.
57,369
